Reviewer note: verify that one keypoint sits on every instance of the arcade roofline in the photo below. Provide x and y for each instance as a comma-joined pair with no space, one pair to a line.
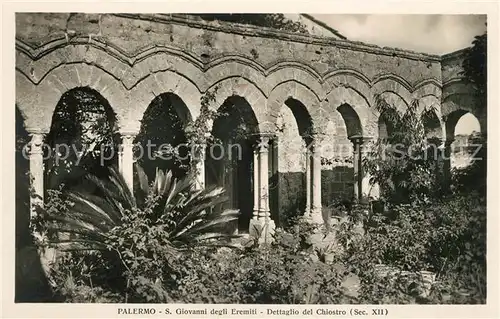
256,31
458,54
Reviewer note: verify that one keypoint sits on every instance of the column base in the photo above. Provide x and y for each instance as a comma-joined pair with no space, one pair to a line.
316,216
262,229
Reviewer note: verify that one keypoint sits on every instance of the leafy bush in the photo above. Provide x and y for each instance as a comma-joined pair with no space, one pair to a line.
281,273
275,20
403,164
447,238
137,235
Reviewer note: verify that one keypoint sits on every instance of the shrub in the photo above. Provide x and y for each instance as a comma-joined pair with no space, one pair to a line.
403,164
137,235
447,238
280,273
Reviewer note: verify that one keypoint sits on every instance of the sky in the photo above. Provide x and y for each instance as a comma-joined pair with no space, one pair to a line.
435,34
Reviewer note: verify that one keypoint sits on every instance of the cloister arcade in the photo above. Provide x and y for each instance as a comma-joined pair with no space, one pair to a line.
273,109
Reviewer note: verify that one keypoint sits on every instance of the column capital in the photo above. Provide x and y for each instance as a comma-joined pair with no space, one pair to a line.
360,139
127,138
261,141
36,143
449,141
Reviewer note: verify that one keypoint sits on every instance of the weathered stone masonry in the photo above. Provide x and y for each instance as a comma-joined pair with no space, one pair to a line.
302,89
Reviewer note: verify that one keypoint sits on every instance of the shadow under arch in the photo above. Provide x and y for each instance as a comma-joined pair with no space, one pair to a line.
386,124
351,120
229,158
432,125
287,187
83,121
163,129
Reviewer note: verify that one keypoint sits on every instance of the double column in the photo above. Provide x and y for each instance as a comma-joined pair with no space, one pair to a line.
362,187
126,157
261,224
313,181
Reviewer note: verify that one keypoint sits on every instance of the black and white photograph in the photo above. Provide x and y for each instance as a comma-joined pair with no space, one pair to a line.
250,158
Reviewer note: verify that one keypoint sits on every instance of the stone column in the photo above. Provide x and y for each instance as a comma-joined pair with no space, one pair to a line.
47,255
357,142
366,190
308,183
262,226
264,177
256,186
126,158
35,153
316,211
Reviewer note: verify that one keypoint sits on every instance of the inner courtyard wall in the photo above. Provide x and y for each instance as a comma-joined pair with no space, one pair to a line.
132,58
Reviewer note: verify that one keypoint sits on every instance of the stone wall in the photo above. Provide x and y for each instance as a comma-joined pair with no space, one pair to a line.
196,55
458,97
131,58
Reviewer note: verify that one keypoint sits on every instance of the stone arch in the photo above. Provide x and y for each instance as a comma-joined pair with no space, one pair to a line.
278,77
163,61
229,160
354,109
351,119
38,102
302,101
349,79
83,120
241,87
160,83
394,100
429,87
302,117
432,125
452,119
162,127
393,84
463,103
129,70
430,111
231,69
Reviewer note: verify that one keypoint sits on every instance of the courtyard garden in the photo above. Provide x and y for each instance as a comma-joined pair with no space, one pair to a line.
164,239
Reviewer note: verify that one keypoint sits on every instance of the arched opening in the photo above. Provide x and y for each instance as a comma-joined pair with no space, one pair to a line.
386,127
229,158
162,142
288,186
338,180
432,125
351,119
82,139
464,129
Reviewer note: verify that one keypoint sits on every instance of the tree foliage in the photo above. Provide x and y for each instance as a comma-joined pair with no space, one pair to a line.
475,65
403,164
273,20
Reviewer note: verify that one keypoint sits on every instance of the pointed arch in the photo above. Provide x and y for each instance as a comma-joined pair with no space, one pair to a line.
303,103
354,108
38,102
